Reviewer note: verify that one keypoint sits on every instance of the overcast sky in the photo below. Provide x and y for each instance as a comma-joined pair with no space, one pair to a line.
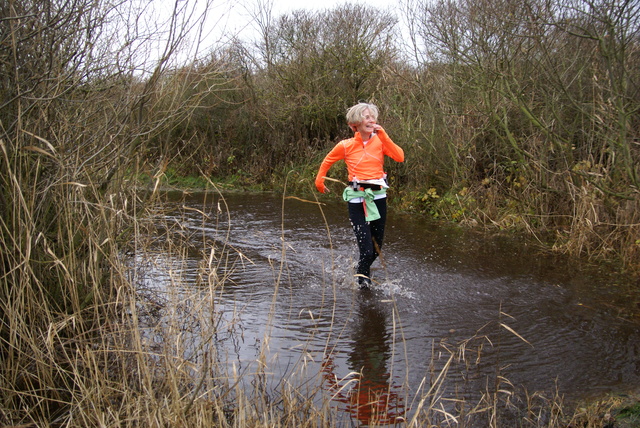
227,19
238,17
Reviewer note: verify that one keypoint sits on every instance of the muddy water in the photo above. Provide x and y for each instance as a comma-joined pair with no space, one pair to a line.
521,320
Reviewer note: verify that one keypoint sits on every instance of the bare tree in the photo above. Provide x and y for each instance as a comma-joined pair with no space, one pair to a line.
79,85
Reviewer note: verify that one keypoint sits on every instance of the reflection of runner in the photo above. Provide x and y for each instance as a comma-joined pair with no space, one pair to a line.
370,397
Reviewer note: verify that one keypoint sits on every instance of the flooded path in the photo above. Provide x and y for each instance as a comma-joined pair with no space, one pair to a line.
520,319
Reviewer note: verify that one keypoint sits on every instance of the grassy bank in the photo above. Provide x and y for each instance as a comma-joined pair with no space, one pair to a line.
480,208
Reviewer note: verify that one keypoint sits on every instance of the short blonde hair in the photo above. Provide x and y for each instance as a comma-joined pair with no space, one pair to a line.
355,114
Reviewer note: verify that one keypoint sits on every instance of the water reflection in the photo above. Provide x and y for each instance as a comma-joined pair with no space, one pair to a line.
371,396
446,283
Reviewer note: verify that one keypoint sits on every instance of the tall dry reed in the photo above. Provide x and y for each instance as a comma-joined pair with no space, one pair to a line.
141,346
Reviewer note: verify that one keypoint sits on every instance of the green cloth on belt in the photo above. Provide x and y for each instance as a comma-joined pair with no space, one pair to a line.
371,209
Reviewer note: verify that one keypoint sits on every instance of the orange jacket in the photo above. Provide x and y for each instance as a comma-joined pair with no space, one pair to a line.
364,162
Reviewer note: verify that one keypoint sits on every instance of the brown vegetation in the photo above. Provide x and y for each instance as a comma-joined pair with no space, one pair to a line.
515,114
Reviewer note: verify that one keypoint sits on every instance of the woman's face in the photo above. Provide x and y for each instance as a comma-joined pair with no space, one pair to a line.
366,127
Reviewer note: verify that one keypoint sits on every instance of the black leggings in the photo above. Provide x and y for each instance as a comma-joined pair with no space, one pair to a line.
367,234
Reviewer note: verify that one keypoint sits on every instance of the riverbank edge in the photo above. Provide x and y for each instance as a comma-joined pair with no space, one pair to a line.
411,202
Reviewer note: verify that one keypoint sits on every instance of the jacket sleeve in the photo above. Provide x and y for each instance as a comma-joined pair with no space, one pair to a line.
336,154
390,148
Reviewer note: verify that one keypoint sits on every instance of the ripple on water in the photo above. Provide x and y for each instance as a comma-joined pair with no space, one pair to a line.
541,320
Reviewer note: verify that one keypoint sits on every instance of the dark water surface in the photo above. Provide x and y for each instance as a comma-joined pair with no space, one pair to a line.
523,320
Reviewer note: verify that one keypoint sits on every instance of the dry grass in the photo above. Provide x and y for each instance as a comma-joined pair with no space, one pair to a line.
86,336
122,352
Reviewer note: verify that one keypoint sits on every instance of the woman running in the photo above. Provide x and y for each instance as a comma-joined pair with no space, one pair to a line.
366,193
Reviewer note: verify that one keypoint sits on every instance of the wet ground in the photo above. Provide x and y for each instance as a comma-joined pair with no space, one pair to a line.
520,319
